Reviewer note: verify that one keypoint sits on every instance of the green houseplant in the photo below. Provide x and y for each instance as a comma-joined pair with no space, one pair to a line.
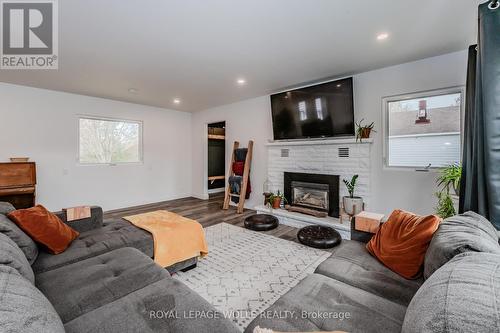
275,199
448,180
363,131
445,207
352,203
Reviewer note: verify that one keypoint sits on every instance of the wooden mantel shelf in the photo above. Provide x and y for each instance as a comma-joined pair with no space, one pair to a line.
319,142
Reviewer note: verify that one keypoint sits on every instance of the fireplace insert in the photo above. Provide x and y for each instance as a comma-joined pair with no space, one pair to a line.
310,195
314,191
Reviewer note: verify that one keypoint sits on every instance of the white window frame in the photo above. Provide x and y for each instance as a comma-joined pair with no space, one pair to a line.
141,144
421,94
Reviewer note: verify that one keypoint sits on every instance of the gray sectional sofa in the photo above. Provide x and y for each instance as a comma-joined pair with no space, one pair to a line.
353,292
97,236
104,282
107,282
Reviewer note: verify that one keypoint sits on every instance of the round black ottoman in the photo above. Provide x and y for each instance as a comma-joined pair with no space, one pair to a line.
319,236
261,222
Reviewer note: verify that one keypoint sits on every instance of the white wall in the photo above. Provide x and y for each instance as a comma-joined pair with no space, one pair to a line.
251,119
43,125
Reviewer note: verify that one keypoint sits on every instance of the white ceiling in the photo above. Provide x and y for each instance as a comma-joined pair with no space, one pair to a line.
195,50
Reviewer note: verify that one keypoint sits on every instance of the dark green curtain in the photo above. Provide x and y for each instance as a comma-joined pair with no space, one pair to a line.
472,166
480,186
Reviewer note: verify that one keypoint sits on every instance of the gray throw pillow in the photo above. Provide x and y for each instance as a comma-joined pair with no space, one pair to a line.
461,296
25,243
23,307
11,255
6,208
459,234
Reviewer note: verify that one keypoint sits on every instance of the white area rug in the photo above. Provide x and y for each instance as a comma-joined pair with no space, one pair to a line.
246,271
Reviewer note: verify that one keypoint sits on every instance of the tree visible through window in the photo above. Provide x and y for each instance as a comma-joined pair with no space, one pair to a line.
105,141
423,130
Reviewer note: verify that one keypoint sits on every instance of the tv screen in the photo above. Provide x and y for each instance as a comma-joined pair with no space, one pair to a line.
324,110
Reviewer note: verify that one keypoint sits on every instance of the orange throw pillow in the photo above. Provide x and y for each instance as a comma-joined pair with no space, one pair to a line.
401,242
44,227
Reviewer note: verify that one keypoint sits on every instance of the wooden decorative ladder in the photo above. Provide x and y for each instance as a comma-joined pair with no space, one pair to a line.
244,182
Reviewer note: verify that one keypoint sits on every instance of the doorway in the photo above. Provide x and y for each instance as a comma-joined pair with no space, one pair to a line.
216,157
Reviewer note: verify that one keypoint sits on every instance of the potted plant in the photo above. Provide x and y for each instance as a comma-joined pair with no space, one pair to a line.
445,207
275,199
449,178
352,204
448,181
363,131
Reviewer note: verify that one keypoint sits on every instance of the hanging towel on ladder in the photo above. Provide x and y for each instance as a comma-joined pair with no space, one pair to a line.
235,187
238,169
240,154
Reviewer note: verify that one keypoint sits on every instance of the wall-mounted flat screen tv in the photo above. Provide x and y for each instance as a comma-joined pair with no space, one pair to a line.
320,111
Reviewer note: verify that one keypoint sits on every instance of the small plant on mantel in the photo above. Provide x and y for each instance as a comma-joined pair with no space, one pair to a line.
275,199
363,131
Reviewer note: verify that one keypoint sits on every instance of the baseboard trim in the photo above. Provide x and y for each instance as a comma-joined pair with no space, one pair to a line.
201,196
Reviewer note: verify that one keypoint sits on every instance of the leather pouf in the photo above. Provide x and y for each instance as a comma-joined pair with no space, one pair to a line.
261,222
319,237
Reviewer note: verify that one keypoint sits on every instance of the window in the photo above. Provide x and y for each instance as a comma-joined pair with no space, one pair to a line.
302,111
423,130
109,141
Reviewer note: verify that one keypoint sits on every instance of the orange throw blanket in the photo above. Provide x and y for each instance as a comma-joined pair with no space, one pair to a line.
176,238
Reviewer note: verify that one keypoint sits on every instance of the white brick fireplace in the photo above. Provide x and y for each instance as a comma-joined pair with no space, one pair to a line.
342,157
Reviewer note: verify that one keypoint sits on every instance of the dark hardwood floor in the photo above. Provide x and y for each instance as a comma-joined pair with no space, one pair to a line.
206,212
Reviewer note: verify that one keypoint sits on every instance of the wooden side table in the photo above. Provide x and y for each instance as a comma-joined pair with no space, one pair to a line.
344,216
364,235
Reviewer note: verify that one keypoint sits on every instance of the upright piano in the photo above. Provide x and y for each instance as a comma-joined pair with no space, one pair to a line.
18,183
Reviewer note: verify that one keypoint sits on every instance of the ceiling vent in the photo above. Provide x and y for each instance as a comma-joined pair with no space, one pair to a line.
344,152
285,152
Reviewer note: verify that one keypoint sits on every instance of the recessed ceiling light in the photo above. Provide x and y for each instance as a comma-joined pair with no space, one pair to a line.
177,101
339,85
241,81
133,91
382,36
